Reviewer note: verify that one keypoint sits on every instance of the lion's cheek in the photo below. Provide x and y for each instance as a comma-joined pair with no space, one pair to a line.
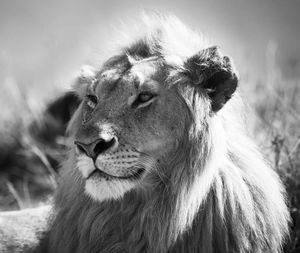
157,147
150,145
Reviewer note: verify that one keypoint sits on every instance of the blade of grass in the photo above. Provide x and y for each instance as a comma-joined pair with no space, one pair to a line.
16,195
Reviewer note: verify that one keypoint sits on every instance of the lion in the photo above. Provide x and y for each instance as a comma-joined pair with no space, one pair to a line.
160,159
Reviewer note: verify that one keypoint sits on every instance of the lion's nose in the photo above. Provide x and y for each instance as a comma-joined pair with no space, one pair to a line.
96,147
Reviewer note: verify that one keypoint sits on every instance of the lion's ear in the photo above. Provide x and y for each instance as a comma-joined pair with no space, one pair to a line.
215,74
85,78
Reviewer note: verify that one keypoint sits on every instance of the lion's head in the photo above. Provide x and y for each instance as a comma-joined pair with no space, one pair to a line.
138,112
128,126
159,159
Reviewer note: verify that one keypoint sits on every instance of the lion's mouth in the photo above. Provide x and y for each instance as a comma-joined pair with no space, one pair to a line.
125,163
134,175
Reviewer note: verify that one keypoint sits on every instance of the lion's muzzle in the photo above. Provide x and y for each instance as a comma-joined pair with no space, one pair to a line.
109,160
124,162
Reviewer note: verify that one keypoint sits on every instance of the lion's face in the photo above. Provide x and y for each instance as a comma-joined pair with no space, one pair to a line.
127,126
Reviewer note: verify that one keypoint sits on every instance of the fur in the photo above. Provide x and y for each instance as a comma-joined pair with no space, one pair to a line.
221,196
21,230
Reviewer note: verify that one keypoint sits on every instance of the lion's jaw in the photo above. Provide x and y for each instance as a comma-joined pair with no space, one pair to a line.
113,174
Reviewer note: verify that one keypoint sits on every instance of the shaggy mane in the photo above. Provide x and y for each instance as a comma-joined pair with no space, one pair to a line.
222,196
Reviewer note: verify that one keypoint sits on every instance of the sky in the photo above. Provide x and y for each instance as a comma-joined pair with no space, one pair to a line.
43,43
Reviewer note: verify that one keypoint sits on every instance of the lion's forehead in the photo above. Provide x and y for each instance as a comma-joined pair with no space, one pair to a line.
143,71
108,82
116,80
110,75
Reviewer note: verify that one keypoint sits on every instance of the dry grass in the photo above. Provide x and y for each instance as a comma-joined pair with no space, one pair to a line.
28,167
276,128
277,109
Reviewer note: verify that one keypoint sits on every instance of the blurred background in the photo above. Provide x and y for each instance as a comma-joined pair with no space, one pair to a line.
44,43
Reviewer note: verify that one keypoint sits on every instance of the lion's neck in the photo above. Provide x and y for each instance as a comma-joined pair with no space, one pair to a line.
117,226
128,225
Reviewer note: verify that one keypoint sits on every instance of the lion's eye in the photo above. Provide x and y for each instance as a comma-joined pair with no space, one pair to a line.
92,100
143,98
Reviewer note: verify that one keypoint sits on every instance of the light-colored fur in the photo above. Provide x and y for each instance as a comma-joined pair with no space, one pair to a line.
22,230
216,193
108,189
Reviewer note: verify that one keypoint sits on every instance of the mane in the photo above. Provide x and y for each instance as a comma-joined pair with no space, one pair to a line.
221,197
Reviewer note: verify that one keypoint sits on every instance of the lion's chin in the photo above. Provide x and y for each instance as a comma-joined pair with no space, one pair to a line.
102,186
101,189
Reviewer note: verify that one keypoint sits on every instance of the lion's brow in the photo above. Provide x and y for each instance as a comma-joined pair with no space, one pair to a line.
108,81
109,86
